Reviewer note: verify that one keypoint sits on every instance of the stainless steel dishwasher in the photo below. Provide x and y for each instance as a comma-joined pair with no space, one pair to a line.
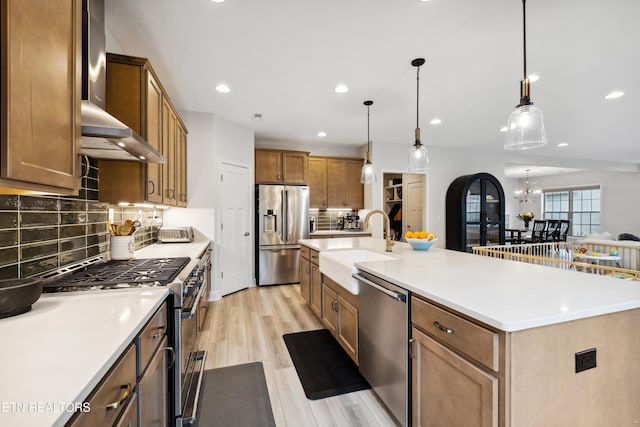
383,342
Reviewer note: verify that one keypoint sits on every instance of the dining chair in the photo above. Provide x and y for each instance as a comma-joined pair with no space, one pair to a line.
564,230
537,232
552,231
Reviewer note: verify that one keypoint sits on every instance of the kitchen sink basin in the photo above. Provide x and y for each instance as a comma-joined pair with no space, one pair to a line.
339,265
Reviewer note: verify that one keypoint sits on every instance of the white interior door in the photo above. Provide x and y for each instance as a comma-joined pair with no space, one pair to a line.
414,197
235,226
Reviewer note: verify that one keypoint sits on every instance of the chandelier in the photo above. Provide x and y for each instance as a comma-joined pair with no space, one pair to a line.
527,195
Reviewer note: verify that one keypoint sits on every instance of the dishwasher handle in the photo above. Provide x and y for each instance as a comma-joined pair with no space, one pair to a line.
396,296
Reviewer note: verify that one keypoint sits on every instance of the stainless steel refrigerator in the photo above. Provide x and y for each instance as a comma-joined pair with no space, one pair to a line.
282,213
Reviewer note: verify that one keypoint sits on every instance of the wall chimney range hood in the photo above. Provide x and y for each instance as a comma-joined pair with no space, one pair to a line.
104,136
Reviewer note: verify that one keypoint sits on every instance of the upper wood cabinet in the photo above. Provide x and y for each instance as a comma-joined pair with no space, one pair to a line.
335,183
40,69
136,97
281,167
318,183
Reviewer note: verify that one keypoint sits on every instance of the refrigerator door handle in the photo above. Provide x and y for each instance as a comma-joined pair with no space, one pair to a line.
285,223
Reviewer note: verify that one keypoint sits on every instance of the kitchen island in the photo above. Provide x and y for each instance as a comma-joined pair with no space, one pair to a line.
525,327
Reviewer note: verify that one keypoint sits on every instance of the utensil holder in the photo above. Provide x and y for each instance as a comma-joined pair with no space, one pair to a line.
122,247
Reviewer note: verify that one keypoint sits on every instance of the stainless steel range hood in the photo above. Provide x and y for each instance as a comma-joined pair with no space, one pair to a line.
104,136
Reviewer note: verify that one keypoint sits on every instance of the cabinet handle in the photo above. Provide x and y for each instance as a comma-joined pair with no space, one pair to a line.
411,341
123,398
171,194
173,355
183,197
443,328
334,305
153,187
161,332
278,177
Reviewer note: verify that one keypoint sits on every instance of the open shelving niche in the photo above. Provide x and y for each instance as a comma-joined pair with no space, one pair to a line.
397,196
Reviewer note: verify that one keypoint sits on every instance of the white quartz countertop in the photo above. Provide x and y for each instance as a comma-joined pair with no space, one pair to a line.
508,295
55,354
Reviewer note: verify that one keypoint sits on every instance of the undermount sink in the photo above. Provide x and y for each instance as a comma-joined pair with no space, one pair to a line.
339,265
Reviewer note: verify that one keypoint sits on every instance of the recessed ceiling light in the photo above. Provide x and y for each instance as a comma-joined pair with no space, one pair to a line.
216,1
614,95
223,88
322,134
563,144
424,1
142,157
435,121
341,89
504,129
534,78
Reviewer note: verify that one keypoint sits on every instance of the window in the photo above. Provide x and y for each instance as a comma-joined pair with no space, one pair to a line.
580,205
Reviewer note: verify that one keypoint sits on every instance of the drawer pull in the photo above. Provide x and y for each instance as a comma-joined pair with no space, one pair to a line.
161,332
123,398
443,328
173,355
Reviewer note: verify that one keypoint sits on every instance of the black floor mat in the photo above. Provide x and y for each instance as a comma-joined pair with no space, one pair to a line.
235,396
323,367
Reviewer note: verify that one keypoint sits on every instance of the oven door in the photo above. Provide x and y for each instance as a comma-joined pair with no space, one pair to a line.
193,360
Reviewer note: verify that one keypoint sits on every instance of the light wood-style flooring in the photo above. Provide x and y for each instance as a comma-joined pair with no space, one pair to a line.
247,326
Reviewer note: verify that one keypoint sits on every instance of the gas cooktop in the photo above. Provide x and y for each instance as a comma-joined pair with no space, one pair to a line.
121,274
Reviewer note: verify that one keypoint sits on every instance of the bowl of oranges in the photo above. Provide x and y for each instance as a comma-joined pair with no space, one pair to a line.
420,240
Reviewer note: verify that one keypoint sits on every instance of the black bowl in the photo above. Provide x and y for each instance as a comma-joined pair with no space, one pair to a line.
17,295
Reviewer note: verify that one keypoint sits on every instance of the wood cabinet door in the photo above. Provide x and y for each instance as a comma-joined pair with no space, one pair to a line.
153,187
40,107
330,309
154,390
336,191
305,282
129,417
347,332
315,295
317,182
447,390
268,167
169,134
354,189
181,166
295,168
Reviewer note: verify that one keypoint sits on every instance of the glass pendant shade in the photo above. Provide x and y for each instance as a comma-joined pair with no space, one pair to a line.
418,158
525,129
368,175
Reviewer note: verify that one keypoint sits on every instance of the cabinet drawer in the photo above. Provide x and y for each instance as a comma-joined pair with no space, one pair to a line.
304,251
151,336
473,340
314,256
111,395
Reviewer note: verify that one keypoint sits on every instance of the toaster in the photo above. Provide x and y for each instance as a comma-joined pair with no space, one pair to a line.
175,235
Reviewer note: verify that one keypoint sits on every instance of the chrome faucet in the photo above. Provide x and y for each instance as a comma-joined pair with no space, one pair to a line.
387,224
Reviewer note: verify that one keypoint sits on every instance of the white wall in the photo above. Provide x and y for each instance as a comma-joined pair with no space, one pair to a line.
211,140
316,149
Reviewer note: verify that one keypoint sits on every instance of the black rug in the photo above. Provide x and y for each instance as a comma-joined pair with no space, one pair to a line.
235,396
323,367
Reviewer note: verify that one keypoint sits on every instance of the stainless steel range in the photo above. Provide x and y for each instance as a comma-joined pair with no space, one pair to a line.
186,373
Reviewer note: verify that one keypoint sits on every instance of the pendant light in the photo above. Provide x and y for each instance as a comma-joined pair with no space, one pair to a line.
368,175
418,156
526,127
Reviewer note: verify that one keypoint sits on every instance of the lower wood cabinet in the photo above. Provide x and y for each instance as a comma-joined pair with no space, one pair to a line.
340,315
315,292
153,387
129,416
305,278
114,392
448,390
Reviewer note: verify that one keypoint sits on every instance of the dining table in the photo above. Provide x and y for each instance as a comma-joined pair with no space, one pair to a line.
514,235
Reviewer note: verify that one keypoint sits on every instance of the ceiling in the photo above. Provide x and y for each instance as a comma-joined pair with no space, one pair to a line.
283,59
